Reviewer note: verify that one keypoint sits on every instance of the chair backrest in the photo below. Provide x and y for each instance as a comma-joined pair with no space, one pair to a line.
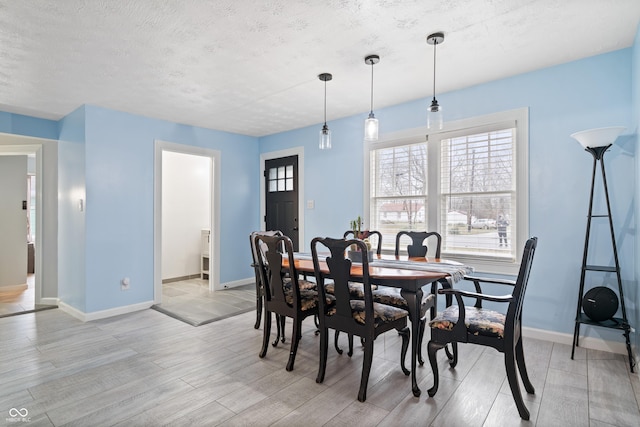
514,312
270,252
375,233
417,248
339,270
254,252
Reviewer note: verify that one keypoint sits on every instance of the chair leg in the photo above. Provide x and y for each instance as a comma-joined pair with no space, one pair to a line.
266,333
453,354
423,323
258,306
350,352
510,366
280,321
432,348
324,344
522,367
405,333
335,342
295,339
366,369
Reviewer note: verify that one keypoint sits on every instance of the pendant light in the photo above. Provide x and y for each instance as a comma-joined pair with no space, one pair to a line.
325,133
371,124
434,112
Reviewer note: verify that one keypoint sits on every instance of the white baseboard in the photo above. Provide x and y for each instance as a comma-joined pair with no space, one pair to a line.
236,283
103,314
585,342
49,301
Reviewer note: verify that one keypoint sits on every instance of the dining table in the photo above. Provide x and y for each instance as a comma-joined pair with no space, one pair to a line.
408,274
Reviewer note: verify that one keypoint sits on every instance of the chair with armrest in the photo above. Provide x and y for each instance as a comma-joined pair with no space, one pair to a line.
477,325
283,293
360,317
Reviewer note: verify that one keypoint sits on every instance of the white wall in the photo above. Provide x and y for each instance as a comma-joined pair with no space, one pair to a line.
13,220
185,211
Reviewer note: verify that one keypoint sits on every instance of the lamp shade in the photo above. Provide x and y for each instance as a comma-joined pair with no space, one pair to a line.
598,137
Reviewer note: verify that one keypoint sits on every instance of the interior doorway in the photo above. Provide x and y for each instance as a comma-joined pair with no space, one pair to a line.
186,204
26,296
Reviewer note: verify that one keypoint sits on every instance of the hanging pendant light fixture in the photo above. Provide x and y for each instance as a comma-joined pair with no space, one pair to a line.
371,124
325,133
434,112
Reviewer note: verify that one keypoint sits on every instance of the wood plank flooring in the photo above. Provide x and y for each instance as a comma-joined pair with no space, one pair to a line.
148,369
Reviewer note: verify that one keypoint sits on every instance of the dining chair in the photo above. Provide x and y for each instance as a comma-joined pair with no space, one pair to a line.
254,264
417,248
283,293
478,325
392,296
374,233
360,317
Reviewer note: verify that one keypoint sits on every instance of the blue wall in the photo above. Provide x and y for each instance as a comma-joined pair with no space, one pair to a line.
590,93
119,214
28,126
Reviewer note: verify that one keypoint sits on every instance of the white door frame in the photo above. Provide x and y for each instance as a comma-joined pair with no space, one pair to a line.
295,151
214,209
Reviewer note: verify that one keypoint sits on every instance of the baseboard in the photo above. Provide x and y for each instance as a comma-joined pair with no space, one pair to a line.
49,301
236,283
13,288
585,342
103,314
181,278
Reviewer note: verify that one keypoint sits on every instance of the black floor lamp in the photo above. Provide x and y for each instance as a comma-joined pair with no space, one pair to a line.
598,308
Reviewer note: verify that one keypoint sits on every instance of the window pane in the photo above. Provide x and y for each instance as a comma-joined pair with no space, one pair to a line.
273,186
289,185
273,173
289,171
281,172
390,215
281,184
400,171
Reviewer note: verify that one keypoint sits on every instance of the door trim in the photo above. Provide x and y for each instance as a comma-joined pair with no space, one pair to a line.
214,209
295,151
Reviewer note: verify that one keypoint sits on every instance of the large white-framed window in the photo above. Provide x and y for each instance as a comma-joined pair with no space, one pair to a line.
469,182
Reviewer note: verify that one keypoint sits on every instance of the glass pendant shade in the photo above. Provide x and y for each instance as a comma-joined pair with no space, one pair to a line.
599,137
325,138
435,120
371,128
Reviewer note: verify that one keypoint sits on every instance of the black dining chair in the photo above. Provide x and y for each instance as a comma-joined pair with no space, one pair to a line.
360,317
283,293
478,325
254,264
370,233
392,296
417,248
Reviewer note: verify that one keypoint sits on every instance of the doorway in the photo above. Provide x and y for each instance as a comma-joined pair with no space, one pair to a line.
27,297
186,244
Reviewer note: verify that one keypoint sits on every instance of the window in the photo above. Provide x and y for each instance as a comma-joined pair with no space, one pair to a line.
281,178
468,182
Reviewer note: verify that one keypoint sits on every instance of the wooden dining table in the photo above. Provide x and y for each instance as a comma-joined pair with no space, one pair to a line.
410,275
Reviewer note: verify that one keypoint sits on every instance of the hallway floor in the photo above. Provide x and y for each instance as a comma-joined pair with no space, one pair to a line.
193,303
18,302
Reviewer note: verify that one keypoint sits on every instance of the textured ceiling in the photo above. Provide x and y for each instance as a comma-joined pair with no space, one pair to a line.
251,66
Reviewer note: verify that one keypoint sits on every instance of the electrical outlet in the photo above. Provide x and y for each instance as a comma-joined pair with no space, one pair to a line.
125,284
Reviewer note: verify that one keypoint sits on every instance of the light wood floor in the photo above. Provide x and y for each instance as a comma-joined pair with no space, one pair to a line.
148,369
16,302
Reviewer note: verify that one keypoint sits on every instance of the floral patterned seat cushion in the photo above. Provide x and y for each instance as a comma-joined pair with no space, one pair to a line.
391,296
479,321
355,289
382,313
302,284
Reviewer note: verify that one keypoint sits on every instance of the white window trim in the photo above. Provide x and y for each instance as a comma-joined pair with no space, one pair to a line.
521,117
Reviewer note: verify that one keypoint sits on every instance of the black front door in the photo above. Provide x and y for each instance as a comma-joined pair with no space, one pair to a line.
281,185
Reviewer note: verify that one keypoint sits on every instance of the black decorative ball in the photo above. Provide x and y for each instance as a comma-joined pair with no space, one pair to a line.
600,303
